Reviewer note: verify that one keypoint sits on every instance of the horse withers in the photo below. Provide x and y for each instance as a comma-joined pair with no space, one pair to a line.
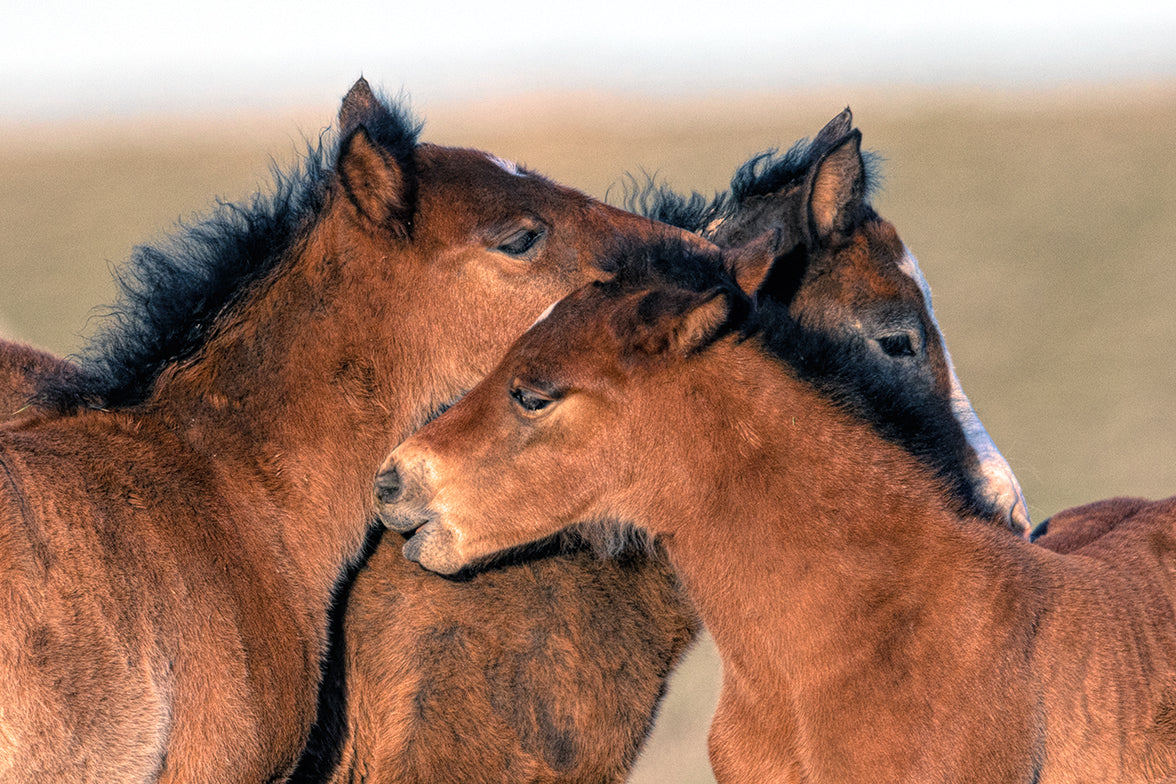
855,596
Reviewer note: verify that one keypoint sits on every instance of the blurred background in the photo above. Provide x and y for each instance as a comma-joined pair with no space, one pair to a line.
1029,162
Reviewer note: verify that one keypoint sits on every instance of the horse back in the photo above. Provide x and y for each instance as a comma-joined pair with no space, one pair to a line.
1076,527
129,599
1107,646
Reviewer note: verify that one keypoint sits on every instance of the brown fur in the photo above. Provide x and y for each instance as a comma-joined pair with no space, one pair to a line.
870,628
904,642
1071,529
168,567
22,367
483,659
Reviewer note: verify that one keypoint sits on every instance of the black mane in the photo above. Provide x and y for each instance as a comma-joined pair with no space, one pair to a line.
899,408
171,296
840,366
764,173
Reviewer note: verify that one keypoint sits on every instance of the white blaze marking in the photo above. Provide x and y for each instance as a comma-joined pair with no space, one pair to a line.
543,315
510,167
997,483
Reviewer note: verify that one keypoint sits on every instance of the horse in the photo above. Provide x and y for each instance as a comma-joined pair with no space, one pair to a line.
176,517
762,200
872,626
420,663
864,298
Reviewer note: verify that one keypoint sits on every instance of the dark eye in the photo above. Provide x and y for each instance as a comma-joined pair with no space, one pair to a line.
897,345
529,400
521,242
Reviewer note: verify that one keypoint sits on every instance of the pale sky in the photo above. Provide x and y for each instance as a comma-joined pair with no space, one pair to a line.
61,58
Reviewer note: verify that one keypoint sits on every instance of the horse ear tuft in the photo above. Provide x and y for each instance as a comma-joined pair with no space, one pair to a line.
837,188
359,106
698,325
375,183
679,322
750,264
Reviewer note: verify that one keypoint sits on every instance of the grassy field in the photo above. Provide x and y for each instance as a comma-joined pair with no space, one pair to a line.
1045,222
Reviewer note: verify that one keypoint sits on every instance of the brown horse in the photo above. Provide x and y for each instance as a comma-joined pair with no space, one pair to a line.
871,628
866,300
497,615
175,518
425,661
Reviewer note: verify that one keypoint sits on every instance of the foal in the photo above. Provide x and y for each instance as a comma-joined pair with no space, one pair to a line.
438,673
864,300
855,602
175,517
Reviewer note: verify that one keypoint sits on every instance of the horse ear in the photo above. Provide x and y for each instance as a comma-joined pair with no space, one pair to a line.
359,105
375,182
750,264
834,130
680,322
837,188
698,325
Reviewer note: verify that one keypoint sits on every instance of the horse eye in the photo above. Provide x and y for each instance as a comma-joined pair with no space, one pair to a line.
899,345
521,242
529,400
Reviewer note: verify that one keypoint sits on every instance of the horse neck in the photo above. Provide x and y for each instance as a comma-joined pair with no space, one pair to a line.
818,536
296,398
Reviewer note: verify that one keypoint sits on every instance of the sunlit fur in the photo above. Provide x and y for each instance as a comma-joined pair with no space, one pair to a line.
175,518
22,369
870,628
844,295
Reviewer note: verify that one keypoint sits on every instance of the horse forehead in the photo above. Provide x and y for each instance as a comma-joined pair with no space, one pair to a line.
863,277
909,266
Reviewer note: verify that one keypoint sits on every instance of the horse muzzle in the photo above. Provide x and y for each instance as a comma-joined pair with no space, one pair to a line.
401,504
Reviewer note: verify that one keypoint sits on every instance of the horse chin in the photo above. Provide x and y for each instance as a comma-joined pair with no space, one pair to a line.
400,521
434,547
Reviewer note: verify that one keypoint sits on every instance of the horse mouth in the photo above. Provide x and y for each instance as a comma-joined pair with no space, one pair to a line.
432,546
402,521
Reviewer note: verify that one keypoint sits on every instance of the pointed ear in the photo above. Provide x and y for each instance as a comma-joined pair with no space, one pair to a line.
375,182
359,105
834,130
750,264
673,321
698,325
836,188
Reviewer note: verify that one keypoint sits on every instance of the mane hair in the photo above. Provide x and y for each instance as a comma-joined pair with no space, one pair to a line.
764,173
836,365
663,262
172,296
899,410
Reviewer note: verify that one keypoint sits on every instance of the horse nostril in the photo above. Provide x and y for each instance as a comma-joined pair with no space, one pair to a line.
388,486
